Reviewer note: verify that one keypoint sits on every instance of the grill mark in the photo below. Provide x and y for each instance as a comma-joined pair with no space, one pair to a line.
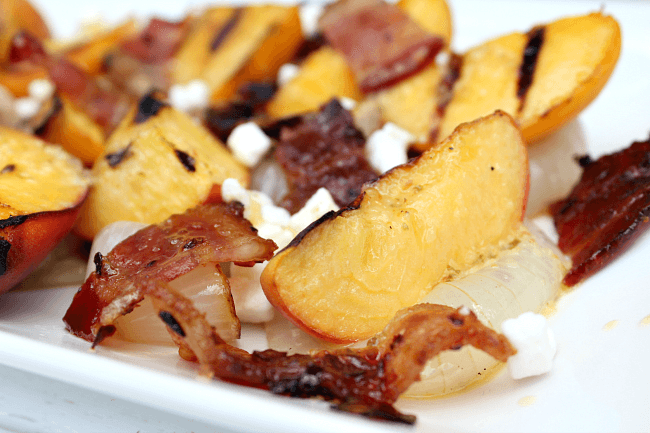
9,168
5,246
56,110
529,62
148,107
114,159
13,221
189,163
227,28
446,90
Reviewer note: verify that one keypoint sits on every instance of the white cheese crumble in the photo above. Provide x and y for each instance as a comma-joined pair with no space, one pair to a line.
41,89
248,143
310,13
387,147
535,343
286,73
27,107
347,103
271,222
189,97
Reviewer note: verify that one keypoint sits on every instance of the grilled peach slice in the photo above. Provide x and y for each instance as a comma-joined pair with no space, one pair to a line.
433,16
89,55
41,189
323,76
251,46
345,276
158,162
543,78
74,130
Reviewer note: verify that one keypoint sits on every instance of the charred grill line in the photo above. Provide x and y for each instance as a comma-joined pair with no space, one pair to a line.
529,62
114,159
224,31
187,160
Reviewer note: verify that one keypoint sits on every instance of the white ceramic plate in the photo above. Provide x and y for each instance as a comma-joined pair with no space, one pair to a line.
599,382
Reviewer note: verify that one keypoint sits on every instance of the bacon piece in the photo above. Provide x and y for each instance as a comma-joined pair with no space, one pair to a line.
323,150
365,381
382,44
157,42
211,233
101,102
606,211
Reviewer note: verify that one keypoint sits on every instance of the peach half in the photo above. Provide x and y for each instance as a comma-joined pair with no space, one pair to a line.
41,191
345,276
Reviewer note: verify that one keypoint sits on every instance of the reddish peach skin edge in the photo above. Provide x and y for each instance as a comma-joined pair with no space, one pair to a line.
32,239
268,276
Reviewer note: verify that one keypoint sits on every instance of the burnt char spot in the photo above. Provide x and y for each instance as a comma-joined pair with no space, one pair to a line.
584,161
5,246
221,121
169,320
150,264
456,321
187,160
308,46
528,63
192,243
224,31
148,107
97,260
13,221
9,168
257,93
103,333
114,159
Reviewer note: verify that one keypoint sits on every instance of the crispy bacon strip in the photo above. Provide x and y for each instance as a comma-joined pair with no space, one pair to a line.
211,233
380,41
606,211
366,381
323,149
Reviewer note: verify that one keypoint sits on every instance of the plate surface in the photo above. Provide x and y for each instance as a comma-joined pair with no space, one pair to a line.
599,381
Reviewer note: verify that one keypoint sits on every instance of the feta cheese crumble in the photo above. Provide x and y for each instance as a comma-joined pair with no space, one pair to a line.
347,103
310,13
271,222
535,343
248,143
286,73
189,97
387,147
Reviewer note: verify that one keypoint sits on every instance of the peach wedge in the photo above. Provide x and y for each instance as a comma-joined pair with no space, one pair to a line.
346,275
41,189
543,78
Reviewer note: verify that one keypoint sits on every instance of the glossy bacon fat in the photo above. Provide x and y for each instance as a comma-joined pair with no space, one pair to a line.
213,233
380,42
606,211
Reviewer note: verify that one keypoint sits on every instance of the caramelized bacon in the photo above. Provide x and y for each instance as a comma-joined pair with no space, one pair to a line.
365,381
380,41
606,211
206,234
323,150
